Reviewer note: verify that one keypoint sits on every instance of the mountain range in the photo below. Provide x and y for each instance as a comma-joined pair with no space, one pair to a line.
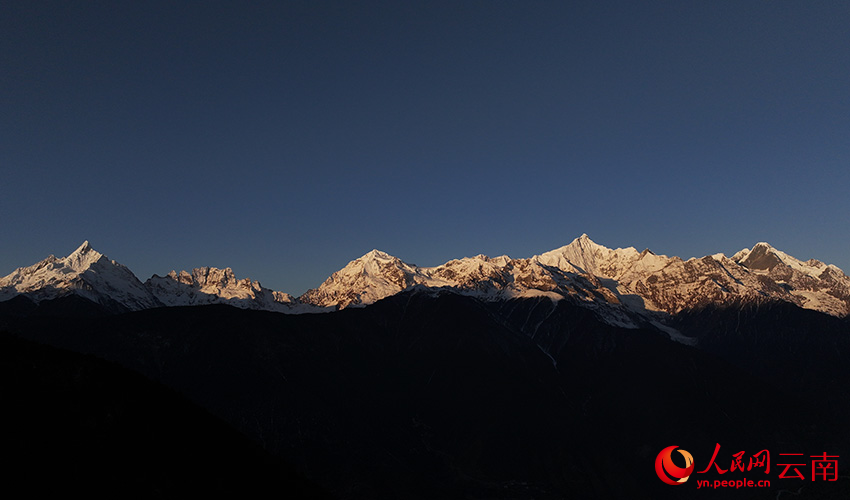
557,376
624,287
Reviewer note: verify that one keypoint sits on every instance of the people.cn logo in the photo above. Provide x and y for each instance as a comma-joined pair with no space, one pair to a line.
665,468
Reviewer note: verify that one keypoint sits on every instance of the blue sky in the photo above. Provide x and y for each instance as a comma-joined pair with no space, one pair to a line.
285,139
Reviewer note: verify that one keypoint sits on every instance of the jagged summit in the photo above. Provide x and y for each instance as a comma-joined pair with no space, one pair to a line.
364,280
582,243
585,256
85,247
376,254
764,257
83,257
211,285
83,272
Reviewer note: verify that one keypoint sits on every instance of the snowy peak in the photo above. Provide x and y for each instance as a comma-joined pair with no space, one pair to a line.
584,256
479,274
83,257
811,284
211,285
84,249
84,272
375,265
376,254
381,266
365,280
764,257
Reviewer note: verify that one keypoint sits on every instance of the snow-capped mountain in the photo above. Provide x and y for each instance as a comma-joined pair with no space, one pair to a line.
377,275
91,275
619,281
365,280
814,285
210,285
623,286
85,272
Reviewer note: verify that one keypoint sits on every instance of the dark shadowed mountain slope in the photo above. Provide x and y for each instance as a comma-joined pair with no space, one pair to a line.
74,424
441,395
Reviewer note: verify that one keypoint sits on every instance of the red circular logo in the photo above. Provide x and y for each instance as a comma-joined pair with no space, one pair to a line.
665,468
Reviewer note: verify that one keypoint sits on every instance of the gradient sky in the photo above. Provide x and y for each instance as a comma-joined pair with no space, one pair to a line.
285,139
